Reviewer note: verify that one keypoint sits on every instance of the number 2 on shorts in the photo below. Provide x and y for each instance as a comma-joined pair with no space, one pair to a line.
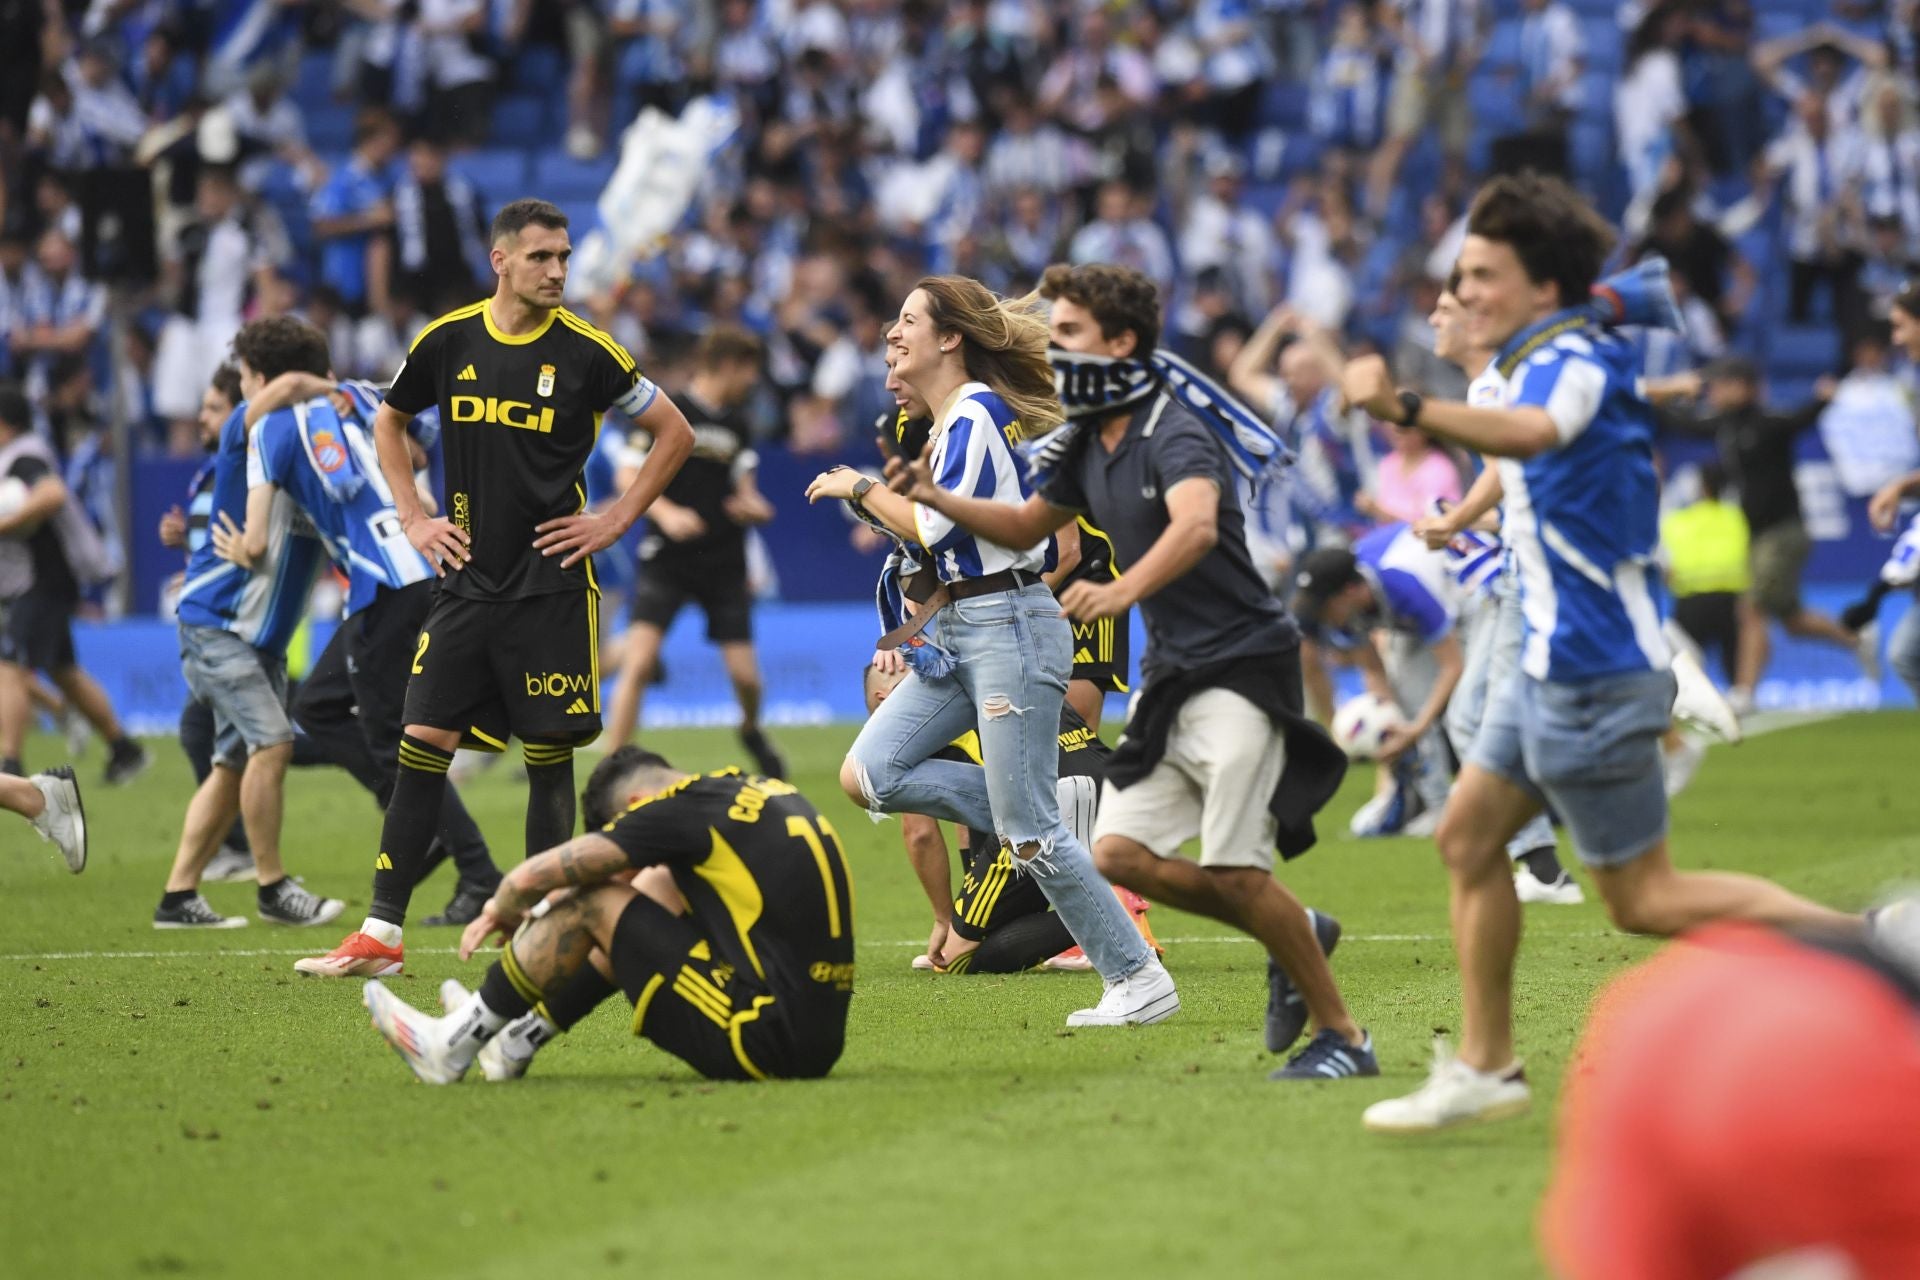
421,652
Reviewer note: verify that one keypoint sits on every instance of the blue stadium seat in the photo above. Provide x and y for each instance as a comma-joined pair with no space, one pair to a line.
1803,351
521,120
539,68
582,216
558,177
1495,104
1503,45
313,88
1265,197
500,174
1605,46
329,127
1284,103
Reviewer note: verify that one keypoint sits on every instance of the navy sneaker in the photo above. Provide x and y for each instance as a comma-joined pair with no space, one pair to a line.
1328,1056
1286,1011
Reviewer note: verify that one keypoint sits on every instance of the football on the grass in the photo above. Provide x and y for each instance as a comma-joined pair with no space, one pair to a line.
1360,725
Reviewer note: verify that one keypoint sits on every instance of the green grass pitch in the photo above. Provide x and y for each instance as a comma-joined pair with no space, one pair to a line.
187,1105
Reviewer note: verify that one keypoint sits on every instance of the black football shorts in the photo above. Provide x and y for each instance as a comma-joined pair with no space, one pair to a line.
495,669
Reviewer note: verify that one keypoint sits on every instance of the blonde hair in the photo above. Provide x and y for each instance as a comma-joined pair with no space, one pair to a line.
1004,344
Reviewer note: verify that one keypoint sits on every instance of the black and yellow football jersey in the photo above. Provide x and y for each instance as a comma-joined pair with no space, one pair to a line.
771,897
519,415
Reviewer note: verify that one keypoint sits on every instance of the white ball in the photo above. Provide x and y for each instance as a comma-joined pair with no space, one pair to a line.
13,495
1360,725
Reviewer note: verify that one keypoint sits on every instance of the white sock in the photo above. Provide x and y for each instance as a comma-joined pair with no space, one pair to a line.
469,1027
384,932
526,1033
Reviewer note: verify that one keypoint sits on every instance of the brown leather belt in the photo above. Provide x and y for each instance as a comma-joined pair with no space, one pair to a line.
944,594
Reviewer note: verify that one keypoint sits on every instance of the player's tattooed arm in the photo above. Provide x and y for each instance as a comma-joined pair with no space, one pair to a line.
588,860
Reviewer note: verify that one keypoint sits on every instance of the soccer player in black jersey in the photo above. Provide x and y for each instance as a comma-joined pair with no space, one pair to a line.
734,942
696,544
512,644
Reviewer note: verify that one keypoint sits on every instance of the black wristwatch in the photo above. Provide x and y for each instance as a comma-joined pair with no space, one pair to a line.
861,486
1410,406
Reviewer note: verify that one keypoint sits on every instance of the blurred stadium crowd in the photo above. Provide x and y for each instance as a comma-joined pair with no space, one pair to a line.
1287,170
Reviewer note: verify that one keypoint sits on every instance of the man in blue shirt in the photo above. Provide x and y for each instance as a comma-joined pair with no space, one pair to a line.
234,630
309,438
1391,582
1579,726
350,213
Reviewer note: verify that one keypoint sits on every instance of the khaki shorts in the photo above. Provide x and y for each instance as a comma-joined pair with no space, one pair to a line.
1779,557
1416,100
1223,761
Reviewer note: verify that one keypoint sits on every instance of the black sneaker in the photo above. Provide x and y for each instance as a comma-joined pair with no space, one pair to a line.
767,762
1328,1056
463,907
288,903
128,761
1286,1011
194,913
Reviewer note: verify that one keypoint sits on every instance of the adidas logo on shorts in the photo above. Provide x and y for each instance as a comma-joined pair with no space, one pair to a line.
579,708
467,375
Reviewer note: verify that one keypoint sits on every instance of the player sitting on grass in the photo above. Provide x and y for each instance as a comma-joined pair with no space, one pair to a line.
51,802
738,959
1001,922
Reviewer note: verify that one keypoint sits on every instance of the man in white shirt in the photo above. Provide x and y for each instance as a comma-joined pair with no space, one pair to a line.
1821,167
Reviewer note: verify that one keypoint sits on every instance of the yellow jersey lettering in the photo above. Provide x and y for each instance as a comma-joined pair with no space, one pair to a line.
507,413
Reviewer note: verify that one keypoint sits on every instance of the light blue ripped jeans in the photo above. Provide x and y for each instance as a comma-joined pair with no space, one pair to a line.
1013,652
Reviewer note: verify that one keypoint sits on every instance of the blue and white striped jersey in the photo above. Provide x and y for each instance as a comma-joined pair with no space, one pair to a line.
329,466
973,456
262,607
1417,595
1583,518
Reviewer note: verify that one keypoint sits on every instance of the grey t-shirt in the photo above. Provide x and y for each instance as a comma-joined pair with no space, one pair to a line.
1218,609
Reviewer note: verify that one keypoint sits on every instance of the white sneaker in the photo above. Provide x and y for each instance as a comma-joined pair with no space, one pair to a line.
1697,704
1741,700
1682,763
1144,996
1894,932
1423,826
229,864
1866,647
1454,1094
1564,892
582,142
420,1039
63,821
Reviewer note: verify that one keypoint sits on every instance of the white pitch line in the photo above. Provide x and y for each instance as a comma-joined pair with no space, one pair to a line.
1214,939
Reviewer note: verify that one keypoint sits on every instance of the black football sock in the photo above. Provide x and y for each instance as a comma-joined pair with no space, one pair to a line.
577,997
506,990
413,818
550,802
174,897
1544,864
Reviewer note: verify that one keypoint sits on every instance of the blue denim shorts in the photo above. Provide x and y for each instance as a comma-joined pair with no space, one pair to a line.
246,690
1591,750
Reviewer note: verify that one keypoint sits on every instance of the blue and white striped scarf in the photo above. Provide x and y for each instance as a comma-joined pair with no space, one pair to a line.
1093,387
